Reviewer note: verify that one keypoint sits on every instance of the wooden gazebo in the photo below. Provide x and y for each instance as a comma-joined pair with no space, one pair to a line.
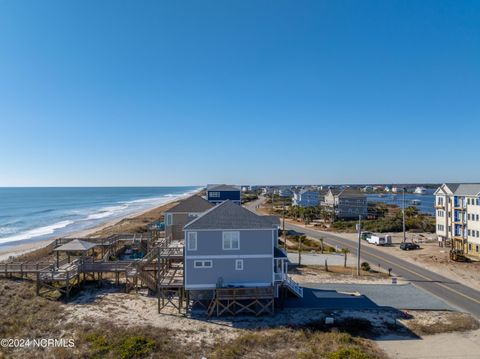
77,245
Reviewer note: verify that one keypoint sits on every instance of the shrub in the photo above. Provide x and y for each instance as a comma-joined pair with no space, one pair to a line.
99,344
331,249
348,353
365,266
135,347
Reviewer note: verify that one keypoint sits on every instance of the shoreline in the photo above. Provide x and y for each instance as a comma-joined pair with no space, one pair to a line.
25,248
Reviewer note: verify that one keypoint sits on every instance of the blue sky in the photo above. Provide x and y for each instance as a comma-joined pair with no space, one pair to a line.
193,92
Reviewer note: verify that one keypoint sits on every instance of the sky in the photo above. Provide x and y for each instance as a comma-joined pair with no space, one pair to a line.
126,93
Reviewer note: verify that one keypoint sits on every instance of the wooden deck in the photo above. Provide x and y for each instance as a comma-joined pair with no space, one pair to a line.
234,301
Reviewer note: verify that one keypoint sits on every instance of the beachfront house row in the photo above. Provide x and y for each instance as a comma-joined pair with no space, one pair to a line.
217,193
347,203
306,198
230,246
185,211
457,213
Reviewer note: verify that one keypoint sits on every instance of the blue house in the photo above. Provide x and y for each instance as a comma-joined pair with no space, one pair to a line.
218,193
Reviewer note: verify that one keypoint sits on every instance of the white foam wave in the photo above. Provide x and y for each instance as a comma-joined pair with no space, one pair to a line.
106,212
36,232
7,230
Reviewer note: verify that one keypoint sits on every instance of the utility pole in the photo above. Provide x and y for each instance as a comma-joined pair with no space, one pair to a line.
403,215
283,229
359,228
299,251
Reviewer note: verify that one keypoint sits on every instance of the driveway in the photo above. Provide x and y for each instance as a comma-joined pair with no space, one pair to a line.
319,259
366,296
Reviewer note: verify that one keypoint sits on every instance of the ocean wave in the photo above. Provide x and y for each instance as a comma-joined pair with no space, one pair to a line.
106,212
36,232
85,218
8,230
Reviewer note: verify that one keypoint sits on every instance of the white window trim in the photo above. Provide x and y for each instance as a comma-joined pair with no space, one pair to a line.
237,262
168,219
189,247
223,241
201,264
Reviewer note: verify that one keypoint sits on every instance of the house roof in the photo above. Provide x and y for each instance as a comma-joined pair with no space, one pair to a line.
459,189
350,192
193,204
222,187
464,189
77,245
228,215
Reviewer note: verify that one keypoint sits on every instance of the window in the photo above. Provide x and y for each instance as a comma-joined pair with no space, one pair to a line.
238,264
230,240
476,247
192,241
169,219
214,194
470,233
478,233
203,264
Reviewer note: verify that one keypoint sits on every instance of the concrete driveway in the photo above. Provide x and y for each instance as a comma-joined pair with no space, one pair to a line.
319,259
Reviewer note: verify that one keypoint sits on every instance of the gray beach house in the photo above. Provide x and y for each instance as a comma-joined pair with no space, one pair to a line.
230,246
186,211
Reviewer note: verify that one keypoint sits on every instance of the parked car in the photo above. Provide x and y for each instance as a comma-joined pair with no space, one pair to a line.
407,246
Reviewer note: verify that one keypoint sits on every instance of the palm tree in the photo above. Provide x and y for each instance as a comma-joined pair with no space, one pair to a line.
345,251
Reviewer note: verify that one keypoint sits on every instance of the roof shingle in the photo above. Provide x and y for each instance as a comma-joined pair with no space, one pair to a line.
193,204
228,215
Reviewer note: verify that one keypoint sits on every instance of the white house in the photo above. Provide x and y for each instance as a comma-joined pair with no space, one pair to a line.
457,207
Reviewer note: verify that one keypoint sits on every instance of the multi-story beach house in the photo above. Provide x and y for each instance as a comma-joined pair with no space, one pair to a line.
306,198
185,211
457,207
230,246
347,203
217,193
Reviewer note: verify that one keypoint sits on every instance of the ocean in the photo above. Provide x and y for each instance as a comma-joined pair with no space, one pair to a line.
33,214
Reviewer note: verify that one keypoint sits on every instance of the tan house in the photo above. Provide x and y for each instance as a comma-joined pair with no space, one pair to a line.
186,211
457,213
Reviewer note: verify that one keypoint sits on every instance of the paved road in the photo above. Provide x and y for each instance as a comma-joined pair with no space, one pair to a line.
454,293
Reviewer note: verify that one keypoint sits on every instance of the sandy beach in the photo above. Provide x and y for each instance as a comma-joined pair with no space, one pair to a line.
130,223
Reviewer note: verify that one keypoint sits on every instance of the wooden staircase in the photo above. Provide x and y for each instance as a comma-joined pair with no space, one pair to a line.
136,271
